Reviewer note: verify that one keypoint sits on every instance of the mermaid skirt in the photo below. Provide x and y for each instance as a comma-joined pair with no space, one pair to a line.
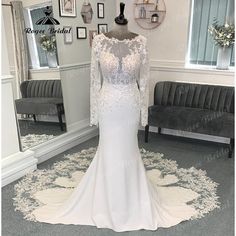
116,192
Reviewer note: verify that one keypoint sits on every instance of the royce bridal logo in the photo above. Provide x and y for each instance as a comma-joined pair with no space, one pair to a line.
48,19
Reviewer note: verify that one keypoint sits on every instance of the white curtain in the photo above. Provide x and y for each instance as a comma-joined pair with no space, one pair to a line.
21,47
230,12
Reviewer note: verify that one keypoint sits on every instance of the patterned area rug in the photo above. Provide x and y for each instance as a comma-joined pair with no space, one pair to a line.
68,172
31,140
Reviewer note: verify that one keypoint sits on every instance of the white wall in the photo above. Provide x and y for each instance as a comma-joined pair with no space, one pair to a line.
4,56
6,15
75,84
10,142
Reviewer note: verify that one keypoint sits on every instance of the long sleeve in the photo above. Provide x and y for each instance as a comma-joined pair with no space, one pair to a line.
144,83
95,84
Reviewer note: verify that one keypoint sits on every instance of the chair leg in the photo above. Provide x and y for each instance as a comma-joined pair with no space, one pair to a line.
231,147
159,130
59,114
60,121
34,116
146,133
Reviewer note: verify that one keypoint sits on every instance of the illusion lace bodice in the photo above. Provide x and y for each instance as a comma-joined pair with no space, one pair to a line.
124,65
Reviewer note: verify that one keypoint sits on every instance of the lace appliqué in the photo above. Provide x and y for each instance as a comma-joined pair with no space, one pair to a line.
144,84
119,62
55,178
95,83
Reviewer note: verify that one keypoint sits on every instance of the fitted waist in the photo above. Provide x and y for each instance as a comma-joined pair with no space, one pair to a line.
119,94
131,84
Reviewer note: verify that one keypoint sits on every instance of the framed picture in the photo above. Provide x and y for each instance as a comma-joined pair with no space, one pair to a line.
102,28
87,12
67,8
92,33
100,10
68,35
81,32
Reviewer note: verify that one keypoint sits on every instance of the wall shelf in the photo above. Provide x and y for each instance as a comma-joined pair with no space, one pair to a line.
149,15
143,3
157,11
142,18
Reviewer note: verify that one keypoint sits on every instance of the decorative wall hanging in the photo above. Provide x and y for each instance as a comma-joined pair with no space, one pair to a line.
68,36
149,14
92,34
87,12
100,10
67,8
81,32
102,28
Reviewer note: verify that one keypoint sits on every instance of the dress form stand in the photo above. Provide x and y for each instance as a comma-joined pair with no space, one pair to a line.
120,28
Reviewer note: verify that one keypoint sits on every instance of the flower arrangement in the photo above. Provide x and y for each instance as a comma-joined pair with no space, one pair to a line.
48,43
223,35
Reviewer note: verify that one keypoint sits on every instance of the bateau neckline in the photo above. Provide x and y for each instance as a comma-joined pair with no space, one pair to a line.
121,40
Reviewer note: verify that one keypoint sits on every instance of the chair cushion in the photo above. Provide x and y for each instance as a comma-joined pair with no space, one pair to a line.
38,105
196,120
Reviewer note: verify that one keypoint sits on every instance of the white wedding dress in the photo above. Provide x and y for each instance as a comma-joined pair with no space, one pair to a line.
116,191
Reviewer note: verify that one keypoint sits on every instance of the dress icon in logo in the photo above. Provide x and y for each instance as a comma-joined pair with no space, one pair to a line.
47,20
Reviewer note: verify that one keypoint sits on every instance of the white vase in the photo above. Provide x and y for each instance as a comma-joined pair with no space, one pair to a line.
52,60
223,58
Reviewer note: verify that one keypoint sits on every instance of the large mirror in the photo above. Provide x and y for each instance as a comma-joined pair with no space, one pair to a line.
49,46
38,92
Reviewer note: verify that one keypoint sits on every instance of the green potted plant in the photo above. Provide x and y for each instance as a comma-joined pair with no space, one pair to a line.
223,36
48,44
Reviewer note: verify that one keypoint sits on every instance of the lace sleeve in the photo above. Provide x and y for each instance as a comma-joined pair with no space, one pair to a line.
95,83
144,83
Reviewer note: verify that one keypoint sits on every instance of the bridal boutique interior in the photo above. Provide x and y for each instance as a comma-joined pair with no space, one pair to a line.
46,131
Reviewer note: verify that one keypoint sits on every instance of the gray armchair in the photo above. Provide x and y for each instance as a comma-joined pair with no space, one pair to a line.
41,97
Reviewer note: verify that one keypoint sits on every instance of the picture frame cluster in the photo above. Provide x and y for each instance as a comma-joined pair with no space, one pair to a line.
67,8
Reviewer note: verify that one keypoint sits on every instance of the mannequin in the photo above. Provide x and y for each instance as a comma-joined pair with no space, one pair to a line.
120,28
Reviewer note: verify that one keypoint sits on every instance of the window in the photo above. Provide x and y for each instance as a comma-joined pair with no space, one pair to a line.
37,56
202,50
